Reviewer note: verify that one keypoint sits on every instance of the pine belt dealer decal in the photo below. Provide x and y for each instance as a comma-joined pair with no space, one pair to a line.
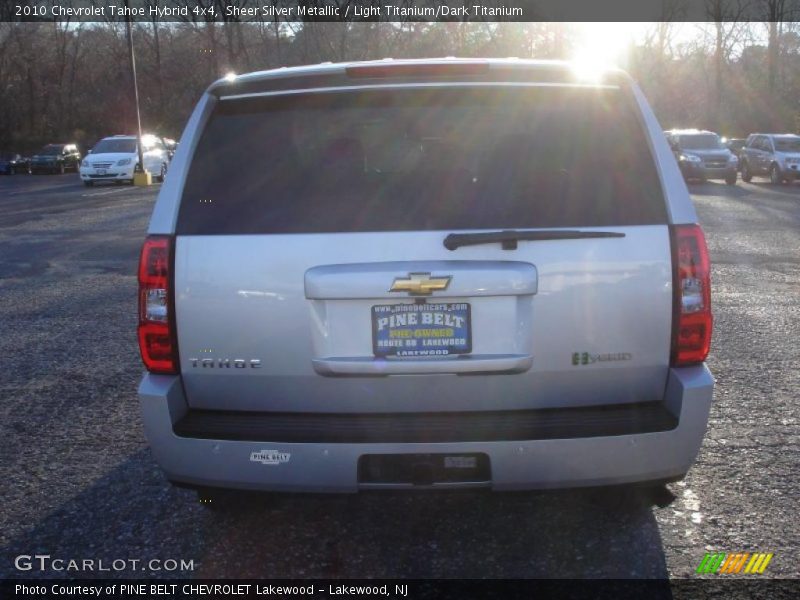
270,457
587,358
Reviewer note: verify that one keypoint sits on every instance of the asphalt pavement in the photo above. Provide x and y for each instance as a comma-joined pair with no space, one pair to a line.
79,481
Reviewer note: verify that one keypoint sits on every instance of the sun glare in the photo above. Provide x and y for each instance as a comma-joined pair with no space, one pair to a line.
600,46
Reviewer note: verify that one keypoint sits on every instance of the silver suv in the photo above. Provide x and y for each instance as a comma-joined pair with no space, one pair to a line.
774,155
431,273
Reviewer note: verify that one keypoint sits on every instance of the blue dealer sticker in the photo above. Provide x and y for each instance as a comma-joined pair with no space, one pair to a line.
421,329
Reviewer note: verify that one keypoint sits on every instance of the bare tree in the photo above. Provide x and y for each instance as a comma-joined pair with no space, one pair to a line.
776,13
726,17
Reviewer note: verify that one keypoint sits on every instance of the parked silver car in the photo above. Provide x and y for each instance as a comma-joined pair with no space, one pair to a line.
426,273
774,155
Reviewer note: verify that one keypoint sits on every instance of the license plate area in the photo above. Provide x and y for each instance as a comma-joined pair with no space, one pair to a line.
424,469
421,329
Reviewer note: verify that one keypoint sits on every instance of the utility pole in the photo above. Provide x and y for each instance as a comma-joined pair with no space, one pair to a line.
143,176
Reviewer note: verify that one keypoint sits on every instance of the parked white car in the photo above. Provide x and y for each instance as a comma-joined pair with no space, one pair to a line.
116,158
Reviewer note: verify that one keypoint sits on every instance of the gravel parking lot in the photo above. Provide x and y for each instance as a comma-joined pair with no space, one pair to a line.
79,481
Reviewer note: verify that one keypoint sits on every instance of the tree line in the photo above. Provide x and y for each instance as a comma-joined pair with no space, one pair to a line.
70,81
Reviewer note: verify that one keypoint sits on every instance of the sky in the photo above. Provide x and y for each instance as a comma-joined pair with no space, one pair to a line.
607,43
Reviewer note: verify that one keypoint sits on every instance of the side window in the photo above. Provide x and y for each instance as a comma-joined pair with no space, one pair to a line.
758,143
767,144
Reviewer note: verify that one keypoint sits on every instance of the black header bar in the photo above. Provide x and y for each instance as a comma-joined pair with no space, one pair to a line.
401,589
233,11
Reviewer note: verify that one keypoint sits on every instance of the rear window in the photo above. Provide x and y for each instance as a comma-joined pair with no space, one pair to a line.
422,159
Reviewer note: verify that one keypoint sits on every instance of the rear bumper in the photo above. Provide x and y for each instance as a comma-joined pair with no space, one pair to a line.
660,443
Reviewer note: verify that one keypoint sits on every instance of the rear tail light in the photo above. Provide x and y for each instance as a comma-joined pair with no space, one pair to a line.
692,320
157,342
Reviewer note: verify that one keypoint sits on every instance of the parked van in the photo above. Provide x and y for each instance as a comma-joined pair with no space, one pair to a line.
116,158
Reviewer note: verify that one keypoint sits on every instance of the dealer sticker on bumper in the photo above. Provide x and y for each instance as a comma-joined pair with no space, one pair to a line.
421,329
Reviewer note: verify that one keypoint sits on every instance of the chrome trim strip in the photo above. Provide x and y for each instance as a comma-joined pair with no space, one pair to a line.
378,367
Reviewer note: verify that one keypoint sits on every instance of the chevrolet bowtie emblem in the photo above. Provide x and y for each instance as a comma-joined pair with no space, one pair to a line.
420,284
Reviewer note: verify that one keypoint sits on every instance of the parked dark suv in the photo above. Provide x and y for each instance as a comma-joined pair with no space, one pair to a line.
701,155
56,158
735,145
12,163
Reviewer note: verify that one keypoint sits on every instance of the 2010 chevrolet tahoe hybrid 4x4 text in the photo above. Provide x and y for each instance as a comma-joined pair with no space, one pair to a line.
433,273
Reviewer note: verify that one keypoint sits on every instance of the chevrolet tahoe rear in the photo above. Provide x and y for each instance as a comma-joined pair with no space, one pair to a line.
428,273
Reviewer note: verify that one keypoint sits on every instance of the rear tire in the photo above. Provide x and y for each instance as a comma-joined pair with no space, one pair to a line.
746,174
630,495
731,179
88,183
62,169
162,174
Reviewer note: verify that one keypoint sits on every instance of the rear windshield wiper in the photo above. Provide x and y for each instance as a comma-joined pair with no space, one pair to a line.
510,237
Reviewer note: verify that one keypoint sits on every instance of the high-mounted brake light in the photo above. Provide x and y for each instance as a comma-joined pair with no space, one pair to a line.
157,342
692,320
418,69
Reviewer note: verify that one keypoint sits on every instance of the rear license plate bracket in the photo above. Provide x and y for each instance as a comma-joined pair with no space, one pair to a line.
424,469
